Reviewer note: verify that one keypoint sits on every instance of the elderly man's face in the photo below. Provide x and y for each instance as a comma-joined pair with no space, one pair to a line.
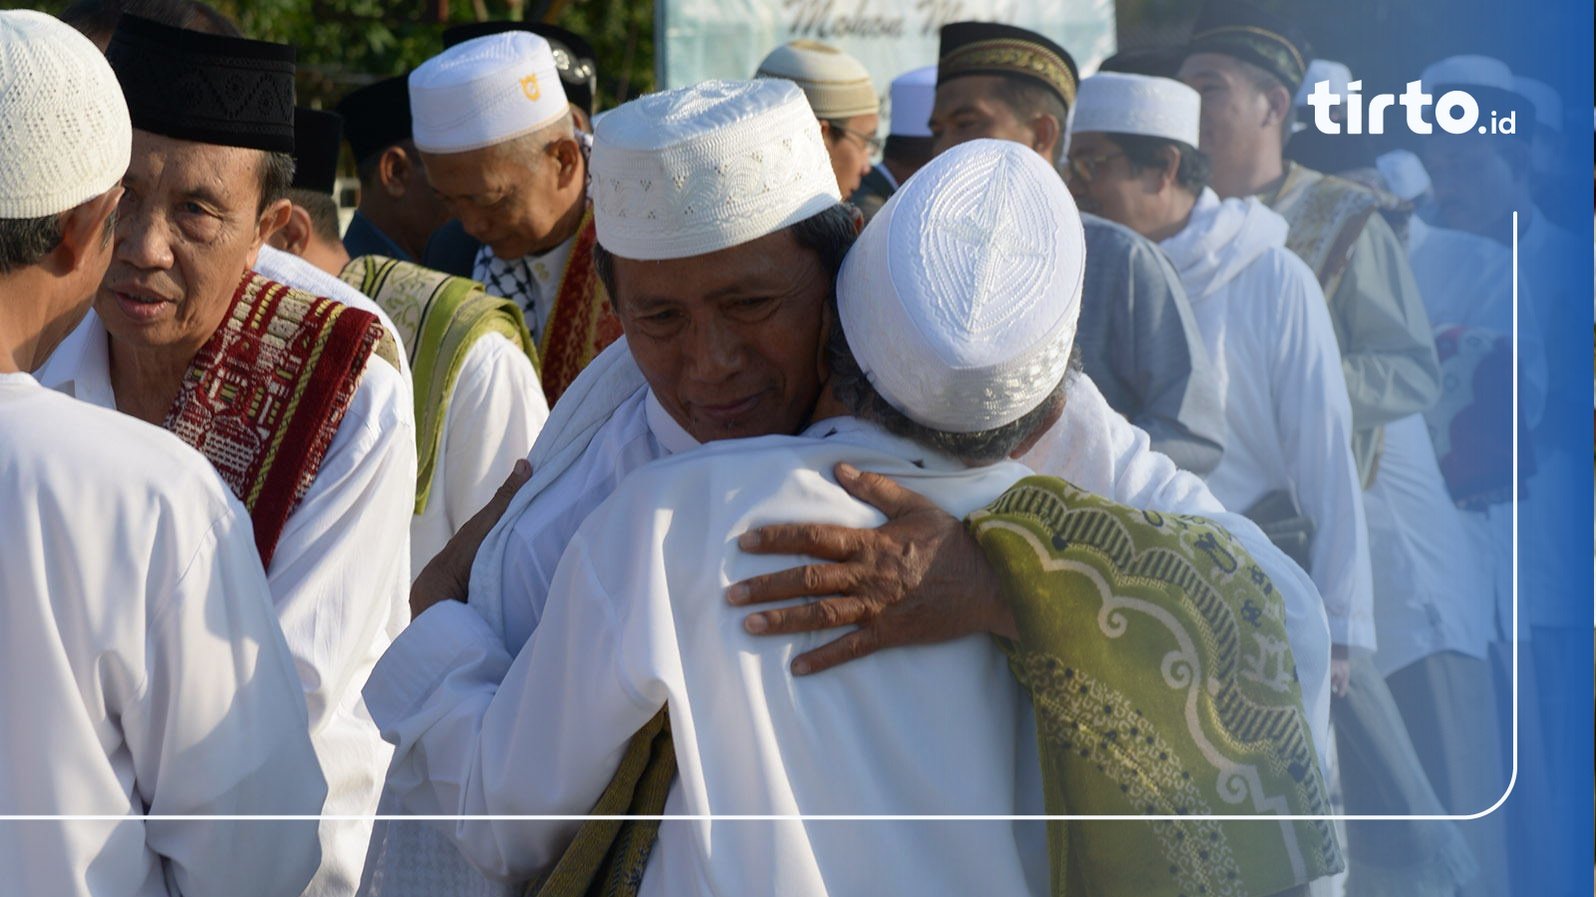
730,342
188,226
508,196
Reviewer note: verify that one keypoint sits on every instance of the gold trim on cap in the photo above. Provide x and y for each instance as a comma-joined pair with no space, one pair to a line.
1017,56
1255,31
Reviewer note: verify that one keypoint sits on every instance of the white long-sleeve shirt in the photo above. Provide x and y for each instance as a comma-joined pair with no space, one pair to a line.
1288,419
438,674
339,579
142,669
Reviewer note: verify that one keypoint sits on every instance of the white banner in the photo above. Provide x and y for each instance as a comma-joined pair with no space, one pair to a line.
700,39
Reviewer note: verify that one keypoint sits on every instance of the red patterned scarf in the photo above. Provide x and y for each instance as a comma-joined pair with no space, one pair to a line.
264,396
582,322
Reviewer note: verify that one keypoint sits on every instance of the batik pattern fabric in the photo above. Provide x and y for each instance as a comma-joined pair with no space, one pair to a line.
583,321
1154,651
263,398
440,317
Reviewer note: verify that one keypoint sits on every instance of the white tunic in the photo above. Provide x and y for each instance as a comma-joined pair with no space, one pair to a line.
441,672
339,578
1288,422
142,669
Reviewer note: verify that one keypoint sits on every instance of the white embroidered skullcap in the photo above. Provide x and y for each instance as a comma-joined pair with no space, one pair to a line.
1548,105
1120,103
837,85
1403,173
485,91
1336,73
698,169
65,135
1469,71
913,94
961,296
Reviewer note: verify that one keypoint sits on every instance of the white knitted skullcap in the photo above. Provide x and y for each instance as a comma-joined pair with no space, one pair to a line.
65,136
913,94
1469,71
960,299
1120,103
698,169
1336,73
837,85
1548,105
1403,173
485,91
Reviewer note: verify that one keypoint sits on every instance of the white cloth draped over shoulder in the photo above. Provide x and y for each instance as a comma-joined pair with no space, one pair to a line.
339,579
142,668
1288,422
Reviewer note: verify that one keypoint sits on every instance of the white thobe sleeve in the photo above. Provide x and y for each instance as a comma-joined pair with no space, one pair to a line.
340,574
495,414
1314,418
540,736
218,727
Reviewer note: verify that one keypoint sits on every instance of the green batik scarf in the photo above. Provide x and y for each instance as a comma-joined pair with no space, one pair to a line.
1154,652
440,317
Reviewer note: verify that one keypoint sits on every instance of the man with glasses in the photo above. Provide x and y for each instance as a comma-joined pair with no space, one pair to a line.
1137,337
838,88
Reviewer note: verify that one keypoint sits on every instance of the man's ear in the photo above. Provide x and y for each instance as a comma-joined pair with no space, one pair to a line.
84,232
1169,167
295,234
1279,100
393,171
567,154
271,220
1046,132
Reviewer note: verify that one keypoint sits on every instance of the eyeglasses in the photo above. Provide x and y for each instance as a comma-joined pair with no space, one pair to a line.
1087,167
871,142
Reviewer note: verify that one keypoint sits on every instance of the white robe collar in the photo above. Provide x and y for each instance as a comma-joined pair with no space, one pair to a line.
81,365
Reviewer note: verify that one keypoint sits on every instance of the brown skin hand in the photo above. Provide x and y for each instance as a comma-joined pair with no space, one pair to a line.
448,574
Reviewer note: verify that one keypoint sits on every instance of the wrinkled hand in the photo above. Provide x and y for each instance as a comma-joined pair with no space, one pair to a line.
1340,670
448,575
919,578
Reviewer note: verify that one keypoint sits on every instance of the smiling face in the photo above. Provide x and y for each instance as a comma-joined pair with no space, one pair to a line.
187,227
730,342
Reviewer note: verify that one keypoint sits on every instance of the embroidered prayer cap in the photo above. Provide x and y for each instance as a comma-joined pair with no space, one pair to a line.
913,94
1489,81
838,86
697,169
207,88
1403,173
376,116
1548,105
1116,103
1161,62
65,136
316,138
485,91
1241,30
991,48
573,55
961,297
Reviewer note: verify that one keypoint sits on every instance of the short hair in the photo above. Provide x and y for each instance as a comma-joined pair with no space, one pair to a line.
1143,152
1029,99
276,177
829,234
322,209
852,387
26,241
98,18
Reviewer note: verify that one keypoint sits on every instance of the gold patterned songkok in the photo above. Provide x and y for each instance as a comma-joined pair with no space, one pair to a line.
990,48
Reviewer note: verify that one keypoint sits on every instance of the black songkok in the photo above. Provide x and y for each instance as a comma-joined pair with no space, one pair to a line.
1239,29
989,48
1163,62
316,137
573,55
205,87
376,116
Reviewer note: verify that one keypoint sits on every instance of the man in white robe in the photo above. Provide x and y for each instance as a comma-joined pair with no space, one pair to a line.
144,670
339,570
442,671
